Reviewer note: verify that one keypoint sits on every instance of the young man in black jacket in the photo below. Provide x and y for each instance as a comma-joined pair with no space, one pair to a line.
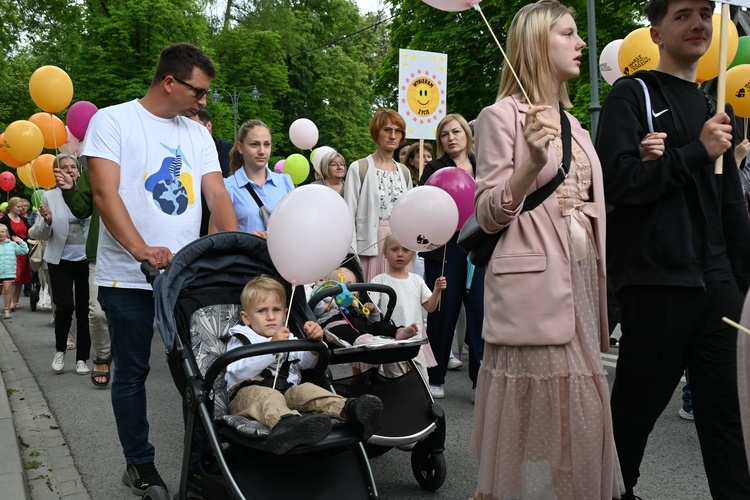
678,249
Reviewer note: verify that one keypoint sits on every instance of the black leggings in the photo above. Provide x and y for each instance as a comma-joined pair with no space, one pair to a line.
67,277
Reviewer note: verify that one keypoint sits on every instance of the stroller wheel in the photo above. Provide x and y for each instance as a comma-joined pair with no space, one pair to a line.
155,493
428,468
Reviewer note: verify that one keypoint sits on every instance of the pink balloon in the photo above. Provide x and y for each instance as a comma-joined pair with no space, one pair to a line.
424,218
7,181
73,146
452,5
78,118
460,186
303,133
279,167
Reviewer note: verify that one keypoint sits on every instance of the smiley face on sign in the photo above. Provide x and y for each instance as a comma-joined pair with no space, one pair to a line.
423,96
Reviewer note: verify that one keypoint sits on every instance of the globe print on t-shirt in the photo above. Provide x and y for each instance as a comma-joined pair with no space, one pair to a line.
172,189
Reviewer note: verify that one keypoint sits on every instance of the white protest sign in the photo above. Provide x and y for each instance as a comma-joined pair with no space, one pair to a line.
422,84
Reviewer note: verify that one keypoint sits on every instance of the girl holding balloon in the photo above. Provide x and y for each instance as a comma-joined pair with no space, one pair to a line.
251,178
542,421
452,170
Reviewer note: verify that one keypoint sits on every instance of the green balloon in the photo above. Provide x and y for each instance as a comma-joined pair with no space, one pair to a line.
297,167
743,52
3,205
36,197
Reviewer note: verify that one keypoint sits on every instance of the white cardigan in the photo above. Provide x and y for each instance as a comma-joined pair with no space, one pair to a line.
57,233
363,199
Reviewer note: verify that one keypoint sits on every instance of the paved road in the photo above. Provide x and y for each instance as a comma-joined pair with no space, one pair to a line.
672,467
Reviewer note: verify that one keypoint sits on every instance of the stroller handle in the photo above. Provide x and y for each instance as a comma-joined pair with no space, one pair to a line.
319,295
150,272
278,346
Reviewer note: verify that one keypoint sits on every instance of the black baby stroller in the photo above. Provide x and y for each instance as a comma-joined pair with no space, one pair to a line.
197,302
410,415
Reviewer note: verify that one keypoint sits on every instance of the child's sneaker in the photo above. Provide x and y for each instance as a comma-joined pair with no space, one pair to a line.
294,430
7,314
687,415
364,412
139,477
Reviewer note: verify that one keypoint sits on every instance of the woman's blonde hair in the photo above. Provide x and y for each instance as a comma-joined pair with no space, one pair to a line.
325,163
527,48
235,157
13,202
464,125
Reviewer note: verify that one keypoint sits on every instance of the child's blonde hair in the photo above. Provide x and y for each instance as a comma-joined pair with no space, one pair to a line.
388,240
334,276
260,287
3,226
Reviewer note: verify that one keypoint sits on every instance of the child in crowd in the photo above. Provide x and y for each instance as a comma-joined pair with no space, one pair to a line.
359,322
412,293
10,247
256,392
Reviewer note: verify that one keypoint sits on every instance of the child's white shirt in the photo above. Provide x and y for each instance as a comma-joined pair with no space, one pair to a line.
411,293
253,366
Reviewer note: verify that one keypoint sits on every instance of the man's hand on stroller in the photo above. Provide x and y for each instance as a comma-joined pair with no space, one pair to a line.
158,257
313,330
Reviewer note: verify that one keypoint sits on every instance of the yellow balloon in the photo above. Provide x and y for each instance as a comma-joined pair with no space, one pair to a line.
738,89
637,52
51,89
708,65
26,176
24,140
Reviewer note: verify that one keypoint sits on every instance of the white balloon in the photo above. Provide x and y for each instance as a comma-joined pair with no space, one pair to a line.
318,155
303,133
424,218
609,67
309,233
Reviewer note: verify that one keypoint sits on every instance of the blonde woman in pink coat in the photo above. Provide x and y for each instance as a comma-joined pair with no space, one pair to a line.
542,425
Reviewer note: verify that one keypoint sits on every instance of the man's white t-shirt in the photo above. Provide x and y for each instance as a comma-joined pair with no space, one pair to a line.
161,164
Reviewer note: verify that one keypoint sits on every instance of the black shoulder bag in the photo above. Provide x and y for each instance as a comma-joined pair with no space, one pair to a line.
265,212
479,244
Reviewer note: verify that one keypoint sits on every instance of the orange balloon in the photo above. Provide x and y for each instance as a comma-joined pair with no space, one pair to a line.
708,64
5,156
41,169
24,140
26,176
51,88
53,129
637,52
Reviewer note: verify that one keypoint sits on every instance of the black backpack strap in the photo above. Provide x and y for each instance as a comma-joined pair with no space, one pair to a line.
537,197
254,194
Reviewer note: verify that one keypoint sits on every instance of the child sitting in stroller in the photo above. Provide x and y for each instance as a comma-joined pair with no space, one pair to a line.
359,323
276,401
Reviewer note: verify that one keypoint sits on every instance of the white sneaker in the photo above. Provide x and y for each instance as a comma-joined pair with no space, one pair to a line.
437,391
454,363
58,362
687,415
81,368
7,314
473,395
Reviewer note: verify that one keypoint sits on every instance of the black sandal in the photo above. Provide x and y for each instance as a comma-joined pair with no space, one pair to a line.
96,373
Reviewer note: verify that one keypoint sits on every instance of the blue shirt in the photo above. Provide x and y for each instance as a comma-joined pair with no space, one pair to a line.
248,215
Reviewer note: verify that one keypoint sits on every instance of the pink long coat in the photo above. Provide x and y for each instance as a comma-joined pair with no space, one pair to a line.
528,298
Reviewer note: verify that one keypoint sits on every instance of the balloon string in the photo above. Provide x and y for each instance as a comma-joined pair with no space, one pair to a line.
507,62
286,323
442,271
745,127
366,248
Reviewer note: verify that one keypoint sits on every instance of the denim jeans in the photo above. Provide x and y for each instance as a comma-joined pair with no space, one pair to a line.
130,317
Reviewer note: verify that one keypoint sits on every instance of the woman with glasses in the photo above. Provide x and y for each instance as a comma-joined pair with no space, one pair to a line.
455,147
373,186
333,171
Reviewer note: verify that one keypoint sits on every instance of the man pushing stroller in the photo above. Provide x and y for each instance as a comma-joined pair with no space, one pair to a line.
276,401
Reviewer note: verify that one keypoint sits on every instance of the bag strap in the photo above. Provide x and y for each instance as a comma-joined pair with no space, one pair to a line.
537,197
254,195
363,166
647,97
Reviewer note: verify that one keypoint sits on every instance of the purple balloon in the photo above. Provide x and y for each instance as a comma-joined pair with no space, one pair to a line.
279,167
460,186
78,118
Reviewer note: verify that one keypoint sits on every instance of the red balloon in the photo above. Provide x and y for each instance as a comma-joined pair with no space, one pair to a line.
7,181
460,186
